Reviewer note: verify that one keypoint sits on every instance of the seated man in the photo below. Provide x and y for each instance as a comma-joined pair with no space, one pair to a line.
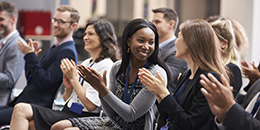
11,59
229,114
45,76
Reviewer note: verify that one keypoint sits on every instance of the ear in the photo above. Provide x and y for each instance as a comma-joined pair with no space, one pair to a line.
223,44
172,23
13,19
129,42
74,25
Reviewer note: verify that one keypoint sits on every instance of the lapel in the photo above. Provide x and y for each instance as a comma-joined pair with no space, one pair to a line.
255,88
9,42
168,49
194,81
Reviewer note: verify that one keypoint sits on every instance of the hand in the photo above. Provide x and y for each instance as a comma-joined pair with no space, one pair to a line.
67,84
154,85
68,68
32,46
94,79
219,96
36,50
252,73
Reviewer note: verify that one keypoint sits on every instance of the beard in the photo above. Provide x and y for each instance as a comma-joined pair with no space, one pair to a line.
5,30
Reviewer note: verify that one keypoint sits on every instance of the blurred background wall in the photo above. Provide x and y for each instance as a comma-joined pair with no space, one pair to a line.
120,12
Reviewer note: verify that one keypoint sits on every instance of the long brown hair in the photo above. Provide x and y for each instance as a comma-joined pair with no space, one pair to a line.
202,44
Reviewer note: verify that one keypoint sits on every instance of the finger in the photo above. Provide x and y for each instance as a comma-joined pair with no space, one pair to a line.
72,62
30,43
214,80
253,65
159,76
179,76
224,80
206,85
146,73
105,77
244,63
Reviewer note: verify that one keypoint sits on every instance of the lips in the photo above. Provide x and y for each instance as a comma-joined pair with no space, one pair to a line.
143,53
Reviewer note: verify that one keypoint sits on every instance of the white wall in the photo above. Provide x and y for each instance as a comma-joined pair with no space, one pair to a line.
247,14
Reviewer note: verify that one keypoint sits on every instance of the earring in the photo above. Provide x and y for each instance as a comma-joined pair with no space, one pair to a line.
128,50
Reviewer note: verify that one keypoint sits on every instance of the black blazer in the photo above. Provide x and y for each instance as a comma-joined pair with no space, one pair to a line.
236,78
175,65
193,112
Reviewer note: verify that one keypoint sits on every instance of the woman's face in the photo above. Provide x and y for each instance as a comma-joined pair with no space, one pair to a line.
91,40
142,44
182,48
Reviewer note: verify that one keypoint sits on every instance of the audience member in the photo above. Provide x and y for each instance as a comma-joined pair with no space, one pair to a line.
241,37
251,72
187,108
225,33
240,33
11,59
100,40
45,76
166,21
222,104
124,102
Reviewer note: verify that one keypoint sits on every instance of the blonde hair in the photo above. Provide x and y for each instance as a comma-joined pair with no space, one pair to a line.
224,31
202,44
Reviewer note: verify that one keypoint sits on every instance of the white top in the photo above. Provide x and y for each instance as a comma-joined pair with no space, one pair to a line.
91,93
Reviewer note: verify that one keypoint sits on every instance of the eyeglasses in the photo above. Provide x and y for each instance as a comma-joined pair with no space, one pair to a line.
53,20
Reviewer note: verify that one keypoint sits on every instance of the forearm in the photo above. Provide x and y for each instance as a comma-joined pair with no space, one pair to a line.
81,93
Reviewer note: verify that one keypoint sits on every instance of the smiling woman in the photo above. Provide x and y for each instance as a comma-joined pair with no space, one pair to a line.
123,101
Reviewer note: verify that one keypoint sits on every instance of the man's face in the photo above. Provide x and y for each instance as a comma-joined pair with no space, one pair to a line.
63,28
161,24
6,23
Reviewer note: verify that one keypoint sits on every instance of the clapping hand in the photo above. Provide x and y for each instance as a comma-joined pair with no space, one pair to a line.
32,46
94,79
218,95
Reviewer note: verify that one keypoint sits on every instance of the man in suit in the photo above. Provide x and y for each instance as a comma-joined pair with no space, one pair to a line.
166,21
11,59
45,76
229,114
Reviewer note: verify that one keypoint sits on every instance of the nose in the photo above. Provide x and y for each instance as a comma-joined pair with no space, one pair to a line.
85,37
146,46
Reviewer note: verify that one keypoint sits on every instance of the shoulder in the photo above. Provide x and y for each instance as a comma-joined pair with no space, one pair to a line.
116,66
86,62
233,67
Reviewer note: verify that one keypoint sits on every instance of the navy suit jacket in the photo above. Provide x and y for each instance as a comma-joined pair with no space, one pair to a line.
238,119
11,67
175,65
45,76
193,112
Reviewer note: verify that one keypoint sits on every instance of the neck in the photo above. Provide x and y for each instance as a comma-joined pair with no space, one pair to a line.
96,54
135,65
10,31
193,67
165,37
59,39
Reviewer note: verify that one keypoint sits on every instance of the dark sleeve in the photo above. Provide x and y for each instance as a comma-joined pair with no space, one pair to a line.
235,78
48,76
194,117
238,119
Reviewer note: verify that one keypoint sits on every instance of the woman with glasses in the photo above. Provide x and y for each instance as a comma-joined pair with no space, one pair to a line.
81,99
